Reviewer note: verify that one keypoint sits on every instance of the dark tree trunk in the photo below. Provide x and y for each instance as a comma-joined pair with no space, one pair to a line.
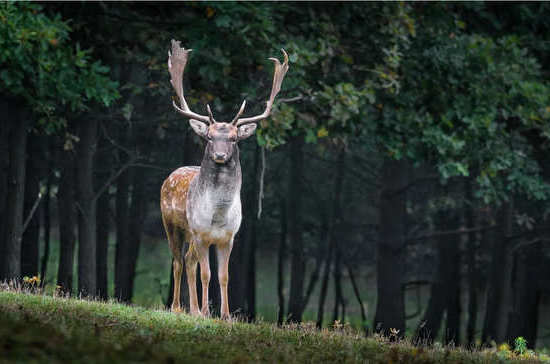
129,226
390,308
359,300
103,215
281,263
47,224
431,322
452,281
122,291
500,265
473,274
31,235
445,288
313,279
324,284
66,215
337,273
103,218
297,265
523,320
4,167
237,272
252,240
16,195
332,224
87,273
137,217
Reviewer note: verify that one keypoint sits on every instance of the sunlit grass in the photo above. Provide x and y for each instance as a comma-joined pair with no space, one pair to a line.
44,328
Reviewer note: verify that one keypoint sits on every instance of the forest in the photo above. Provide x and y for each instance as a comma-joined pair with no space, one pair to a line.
401,184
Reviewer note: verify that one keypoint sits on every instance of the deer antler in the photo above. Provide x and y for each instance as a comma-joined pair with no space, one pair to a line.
278,76
177,59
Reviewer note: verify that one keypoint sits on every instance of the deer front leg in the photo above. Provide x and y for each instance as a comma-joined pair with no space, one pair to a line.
223,276
191,268
205,276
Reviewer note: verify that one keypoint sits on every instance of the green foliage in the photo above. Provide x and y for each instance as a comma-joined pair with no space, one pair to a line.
40,64
470,104
520,345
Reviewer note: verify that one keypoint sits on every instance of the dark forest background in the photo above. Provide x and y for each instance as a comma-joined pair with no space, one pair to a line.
401,183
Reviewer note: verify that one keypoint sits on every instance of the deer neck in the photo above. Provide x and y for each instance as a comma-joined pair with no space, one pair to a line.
217,191
225,178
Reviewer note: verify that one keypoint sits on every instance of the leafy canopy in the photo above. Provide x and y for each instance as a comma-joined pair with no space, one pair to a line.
39,63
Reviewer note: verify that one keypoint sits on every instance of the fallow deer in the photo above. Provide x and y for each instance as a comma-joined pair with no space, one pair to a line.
202,205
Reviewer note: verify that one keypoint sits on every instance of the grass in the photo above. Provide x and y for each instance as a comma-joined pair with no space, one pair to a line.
43,328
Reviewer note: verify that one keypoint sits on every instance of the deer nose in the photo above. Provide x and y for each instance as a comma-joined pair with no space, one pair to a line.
219,156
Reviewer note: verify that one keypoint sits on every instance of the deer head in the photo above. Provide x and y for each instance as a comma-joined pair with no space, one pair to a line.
222,137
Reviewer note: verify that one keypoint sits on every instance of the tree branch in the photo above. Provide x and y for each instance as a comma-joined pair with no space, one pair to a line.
31,213
114,177
437,234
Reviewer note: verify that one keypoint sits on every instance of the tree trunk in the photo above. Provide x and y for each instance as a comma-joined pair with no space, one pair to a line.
297,265
16,195
137,217
337,274
87,273
4,167
66,216
103,215
237,272
473,274
359,300
122,291
281,262
103,218
47,224
390,308
324,284
332,224
452,281
431,322
500,264
31,235
253,238
523,320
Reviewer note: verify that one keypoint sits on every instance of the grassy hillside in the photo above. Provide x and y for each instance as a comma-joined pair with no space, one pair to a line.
47,329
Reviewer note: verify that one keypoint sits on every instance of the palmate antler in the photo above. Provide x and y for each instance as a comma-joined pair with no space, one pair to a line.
278,76
177,59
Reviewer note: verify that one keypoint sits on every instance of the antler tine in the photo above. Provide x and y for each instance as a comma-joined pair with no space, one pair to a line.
278,76
210,115
241,110
177,60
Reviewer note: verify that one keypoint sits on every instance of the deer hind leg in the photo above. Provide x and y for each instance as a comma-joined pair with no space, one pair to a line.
191,260
223,252
176,246
203,256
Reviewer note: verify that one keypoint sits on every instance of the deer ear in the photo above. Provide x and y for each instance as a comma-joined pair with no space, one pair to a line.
199,127
244,131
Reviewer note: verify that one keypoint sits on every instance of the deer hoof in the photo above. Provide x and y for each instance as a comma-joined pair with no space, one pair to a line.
177,309
225,316
195,312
